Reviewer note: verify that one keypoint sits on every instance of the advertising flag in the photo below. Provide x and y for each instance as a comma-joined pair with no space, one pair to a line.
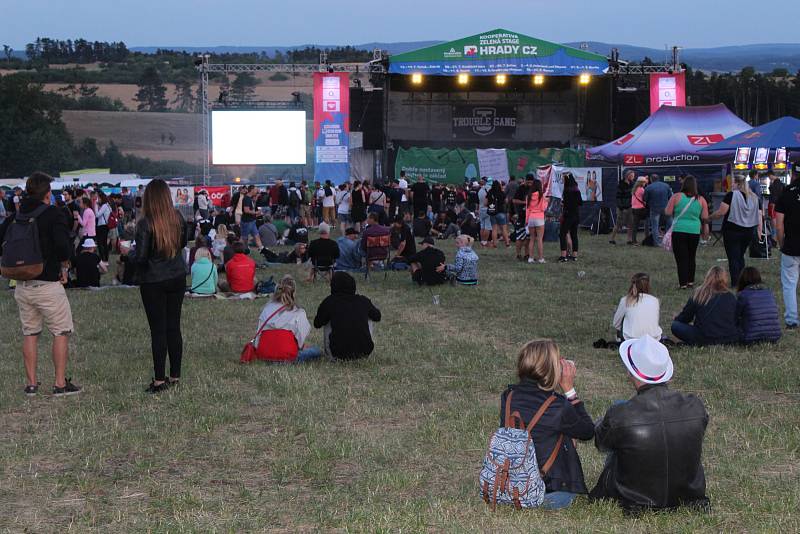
667,90
331,126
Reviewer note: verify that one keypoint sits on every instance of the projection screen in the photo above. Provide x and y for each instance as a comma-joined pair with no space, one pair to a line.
263,137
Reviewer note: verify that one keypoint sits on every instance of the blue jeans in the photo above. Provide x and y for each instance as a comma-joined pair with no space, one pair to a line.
687,333
249,229
308,354
557,500
655,225
790,272
736,244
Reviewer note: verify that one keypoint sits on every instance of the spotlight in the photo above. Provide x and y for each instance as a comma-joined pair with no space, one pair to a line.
538,79
463,79
584,79
416,78
500,79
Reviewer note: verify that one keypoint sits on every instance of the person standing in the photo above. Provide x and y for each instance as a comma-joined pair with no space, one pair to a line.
787,225
420,195
776,187
203,203
654,440
497,213
639,211
43,301
691,219
3,211
569,219
656,197
161,274
101,228
741,221
358,205
624,215
343,198
328,204
537,205
88,220
249,214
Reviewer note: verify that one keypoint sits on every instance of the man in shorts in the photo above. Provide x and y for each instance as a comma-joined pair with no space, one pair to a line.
43,301
483,212
248,225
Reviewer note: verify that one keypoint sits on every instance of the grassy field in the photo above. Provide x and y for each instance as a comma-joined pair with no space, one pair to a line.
393,443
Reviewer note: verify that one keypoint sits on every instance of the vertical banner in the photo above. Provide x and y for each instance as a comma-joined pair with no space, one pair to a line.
493,163
331,126
667,90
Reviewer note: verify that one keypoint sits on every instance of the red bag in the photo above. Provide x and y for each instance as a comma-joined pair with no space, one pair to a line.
273,345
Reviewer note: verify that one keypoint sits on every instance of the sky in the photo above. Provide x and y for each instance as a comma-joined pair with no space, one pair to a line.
688,23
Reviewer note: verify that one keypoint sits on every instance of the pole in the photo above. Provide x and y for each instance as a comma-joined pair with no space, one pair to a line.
205,118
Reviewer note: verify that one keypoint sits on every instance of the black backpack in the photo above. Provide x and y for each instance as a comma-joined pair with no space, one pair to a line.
22,253
294,198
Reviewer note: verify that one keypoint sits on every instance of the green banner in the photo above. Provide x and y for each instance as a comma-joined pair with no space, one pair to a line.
453,166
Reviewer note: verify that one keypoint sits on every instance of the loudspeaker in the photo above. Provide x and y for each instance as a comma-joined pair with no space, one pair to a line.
366,115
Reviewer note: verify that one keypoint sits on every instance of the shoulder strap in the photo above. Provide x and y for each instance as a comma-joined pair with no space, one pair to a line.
545,405
264,324
683,211
553,455
32,215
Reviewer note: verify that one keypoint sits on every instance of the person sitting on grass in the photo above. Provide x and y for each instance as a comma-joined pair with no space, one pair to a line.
756,309
346,319
350,254
638,312
654,440
298,233
204,273
422,225
268,232
712,308
220,242
88,266
282,315
541,371
240,272
126,269
465,269
445,226
323,251
402,242
428,265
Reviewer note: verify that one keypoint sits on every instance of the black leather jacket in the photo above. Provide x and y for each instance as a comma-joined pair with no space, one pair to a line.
150,266
656,444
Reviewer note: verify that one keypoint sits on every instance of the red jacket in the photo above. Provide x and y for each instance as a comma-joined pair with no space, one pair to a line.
241,271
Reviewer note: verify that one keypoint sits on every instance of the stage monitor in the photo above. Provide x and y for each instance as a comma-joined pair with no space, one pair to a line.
263,137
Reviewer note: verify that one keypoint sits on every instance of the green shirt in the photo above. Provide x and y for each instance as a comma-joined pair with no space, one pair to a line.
689,222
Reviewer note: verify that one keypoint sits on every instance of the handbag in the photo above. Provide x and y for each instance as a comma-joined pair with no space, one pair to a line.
250,351
666,243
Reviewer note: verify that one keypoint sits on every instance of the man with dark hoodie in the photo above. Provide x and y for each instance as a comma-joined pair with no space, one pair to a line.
346,319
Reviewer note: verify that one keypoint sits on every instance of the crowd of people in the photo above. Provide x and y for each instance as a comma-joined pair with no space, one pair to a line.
76,233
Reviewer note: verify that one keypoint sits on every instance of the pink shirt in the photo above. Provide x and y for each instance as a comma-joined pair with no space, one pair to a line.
536,207
87,223
637,200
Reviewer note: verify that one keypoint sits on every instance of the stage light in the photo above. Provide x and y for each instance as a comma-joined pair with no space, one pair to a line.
500,79
584,79
416,79
463,79
538,79
238,180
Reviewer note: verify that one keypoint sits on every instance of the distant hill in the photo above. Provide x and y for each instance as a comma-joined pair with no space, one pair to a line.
393,48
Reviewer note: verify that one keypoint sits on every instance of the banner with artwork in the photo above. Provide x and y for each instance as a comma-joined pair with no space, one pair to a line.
331,126
182,196
220,195
493,163
667,90
589,179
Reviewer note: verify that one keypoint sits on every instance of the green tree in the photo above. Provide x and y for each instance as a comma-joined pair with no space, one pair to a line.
152,92
32,134
184,98
244,86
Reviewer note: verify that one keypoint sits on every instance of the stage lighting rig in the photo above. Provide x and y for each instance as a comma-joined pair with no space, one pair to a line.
416,78
538,79
585,79
463,79
501,79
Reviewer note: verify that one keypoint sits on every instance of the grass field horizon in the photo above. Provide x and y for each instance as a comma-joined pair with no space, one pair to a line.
391,443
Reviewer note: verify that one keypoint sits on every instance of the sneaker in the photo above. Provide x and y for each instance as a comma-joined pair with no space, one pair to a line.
68,389
531,260
32,390
153,388
541,260
572,258
612,242
563,259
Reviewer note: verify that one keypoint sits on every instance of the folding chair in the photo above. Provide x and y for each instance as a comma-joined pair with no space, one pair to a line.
324,270
377,250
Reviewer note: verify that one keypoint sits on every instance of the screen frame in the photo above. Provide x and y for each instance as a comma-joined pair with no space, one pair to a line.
210,154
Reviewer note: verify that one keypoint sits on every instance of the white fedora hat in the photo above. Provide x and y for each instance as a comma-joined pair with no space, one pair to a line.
647,360
89,243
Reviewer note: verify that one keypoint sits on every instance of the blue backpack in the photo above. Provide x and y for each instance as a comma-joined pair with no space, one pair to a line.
510,473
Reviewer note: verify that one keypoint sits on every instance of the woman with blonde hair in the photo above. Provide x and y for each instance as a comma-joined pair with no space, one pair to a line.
284,327
465,269
742,219
220,241
161,274
638,311
709,317
562,418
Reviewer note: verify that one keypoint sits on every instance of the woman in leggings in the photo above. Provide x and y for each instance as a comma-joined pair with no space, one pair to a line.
569,218
161,272
689,213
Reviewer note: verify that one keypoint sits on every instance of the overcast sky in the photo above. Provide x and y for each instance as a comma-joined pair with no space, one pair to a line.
690,23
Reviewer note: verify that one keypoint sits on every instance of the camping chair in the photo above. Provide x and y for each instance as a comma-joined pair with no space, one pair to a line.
377,250
324,268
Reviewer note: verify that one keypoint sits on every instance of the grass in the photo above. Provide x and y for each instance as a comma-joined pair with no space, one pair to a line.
393,443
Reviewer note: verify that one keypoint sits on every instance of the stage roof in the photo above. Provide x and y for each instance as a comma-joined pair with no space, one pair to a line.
498,52
674,135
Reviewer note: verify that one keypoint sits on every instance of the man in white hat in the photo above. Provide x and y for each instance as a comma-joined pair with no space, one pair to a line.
88,266
654,440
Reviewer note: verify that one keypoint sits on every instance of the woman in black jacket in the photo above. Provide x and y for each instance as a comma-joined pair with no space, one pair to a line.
709,317
571,206
541,370
161,274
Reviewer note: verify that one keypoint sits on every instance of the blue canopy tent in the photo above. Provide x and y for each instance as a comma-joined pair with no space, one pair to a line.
780,133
